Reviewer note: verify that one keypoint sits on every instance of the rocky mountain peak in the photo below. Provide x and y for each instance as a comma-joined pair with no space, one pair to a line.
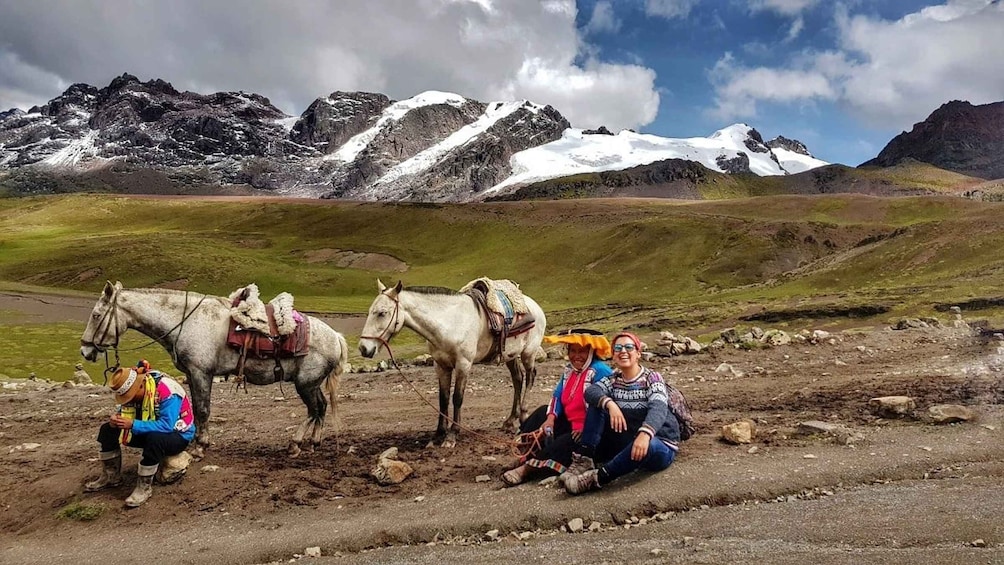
958,136
792,145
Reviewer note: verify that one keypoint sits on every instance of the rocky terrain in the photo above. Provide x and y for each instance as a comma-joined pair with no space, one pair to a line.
864,483
958,137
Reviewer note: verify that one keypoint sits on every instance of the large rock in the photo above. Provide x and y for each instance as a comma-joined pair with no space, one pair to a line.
739,432
893,406
173,468
840,432
950,413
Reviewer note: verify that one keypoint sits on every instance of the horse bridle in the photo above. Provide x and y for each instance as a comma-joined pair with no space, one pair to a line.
383,338
111,315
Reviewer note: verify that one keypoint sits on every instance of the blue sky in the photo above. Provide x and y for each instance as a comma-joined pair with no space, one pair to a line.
843,77
699,49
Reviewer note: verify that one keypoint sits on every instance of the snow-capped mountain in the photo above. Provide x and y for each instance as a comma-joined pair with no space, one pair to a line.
735,149
435,146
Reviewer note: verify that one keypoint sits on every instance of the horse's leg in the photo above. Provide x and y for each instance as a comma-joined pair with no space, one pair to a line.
511,423
444,376
201,386
322,409
461,371
529,376
310,398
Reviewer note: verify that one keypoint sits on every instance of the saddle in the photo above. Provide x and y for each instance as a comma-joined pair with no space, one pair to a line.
266,331
503,304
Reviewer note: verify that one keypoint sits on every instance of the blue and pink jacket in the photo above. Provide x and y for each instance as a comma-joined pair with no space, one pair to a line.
173,410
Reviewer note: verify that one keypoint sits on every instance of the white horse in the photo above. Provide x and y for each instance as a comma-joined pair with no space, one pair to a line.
193,328
458,334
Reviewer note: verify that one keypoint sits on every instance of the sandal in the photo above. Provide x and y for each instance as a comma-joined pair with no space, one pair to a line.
516,476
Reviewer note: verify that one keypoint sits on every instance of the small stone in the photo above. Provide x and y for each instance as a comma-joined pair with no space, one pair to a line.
979,543
575,525
279,399
809,456
488,458
656,551
595,526
492,535
483,478
688,541
312,552
989,427
752,450
210,468
30,446
420,498
924,447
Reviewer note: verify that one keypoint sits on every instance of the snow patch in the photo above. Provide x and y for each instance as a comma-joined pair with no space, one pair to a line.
354,146
74,151
494,112
579,153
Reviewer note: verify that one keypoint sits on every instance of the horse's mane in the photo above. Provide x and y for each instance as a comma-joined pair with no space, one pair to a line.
431,290
160,291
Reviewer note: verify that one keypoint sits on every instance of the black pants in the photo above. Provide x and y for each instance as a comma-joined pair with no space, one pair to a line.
156,446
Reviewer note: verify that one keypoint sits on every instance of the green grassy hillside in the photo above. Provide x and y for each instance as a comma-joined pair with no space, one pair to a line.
566,253
650,264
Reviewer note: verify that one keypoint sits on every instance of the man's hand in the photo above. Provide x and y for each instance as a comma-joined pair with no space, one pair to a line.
118,421
617,421
639,449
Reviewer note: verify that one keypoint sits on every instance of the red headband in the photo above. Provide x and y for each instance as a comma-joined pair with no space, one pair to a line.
629,335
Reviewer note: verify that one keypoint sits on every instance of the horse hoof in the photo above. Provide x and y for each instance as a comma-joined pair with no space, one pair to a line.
510,426
197,453
431,444
294,450
449,443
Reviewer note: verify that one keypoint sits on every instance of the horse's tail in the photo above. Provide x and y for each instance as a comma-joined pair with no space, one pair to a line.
331,382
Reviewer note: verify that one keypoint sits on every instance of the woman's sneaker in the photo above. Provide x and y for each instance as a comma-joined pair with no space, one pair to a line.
585,482
580,464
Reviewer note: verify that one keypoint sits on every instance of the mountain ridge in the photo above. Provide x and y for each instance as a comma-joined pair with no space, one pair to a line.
432,147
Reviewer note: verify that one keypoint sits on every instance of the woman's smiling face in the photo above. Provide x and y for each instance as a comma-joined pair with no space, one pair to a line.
578,355
626,353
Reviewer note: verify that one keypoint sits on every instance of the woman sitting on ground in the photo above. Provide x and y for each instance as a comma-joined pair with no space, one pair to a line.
642,432
559,424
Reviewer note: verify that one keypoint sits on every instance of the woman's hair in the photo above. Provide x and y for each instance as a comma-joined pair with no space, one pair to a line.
634,339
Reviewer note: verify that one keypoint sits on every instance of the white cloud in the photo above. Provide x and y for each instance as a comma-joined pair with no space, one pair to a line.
603,19
888,73
782,7
294,52
669,9
738,88
616,96
796,28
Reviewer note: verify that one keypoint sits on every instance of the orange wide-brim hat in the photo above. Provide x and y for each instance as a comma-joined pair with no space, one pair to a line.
582,336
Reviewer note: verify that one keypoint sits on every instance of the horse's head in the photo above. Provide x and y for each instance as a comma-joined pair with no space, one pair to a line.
105,325
383,321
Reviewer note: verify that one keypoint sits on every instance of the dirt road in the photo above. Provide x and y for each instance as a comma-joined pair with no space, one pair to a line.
909,491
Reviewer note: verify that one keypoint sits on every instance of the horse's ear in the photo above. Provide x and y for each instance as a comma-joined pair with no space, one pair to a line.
380,286
118,285
109,289
397,289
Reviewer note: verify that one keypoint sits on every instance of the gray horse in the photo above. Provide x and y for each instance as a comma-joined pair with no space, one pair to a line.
459,336
192,327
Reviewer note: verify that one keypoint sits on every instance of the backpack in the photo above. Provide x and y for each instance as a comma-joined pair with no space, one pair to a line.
678,407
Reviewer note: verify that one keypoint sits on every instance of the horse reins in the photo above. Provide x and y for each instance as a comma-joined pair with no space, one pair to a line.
111,315
513,445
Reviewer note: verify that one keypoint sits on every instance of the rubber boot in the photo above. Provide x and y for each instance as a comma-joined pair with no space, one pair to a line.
580,464
111,472
144,486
